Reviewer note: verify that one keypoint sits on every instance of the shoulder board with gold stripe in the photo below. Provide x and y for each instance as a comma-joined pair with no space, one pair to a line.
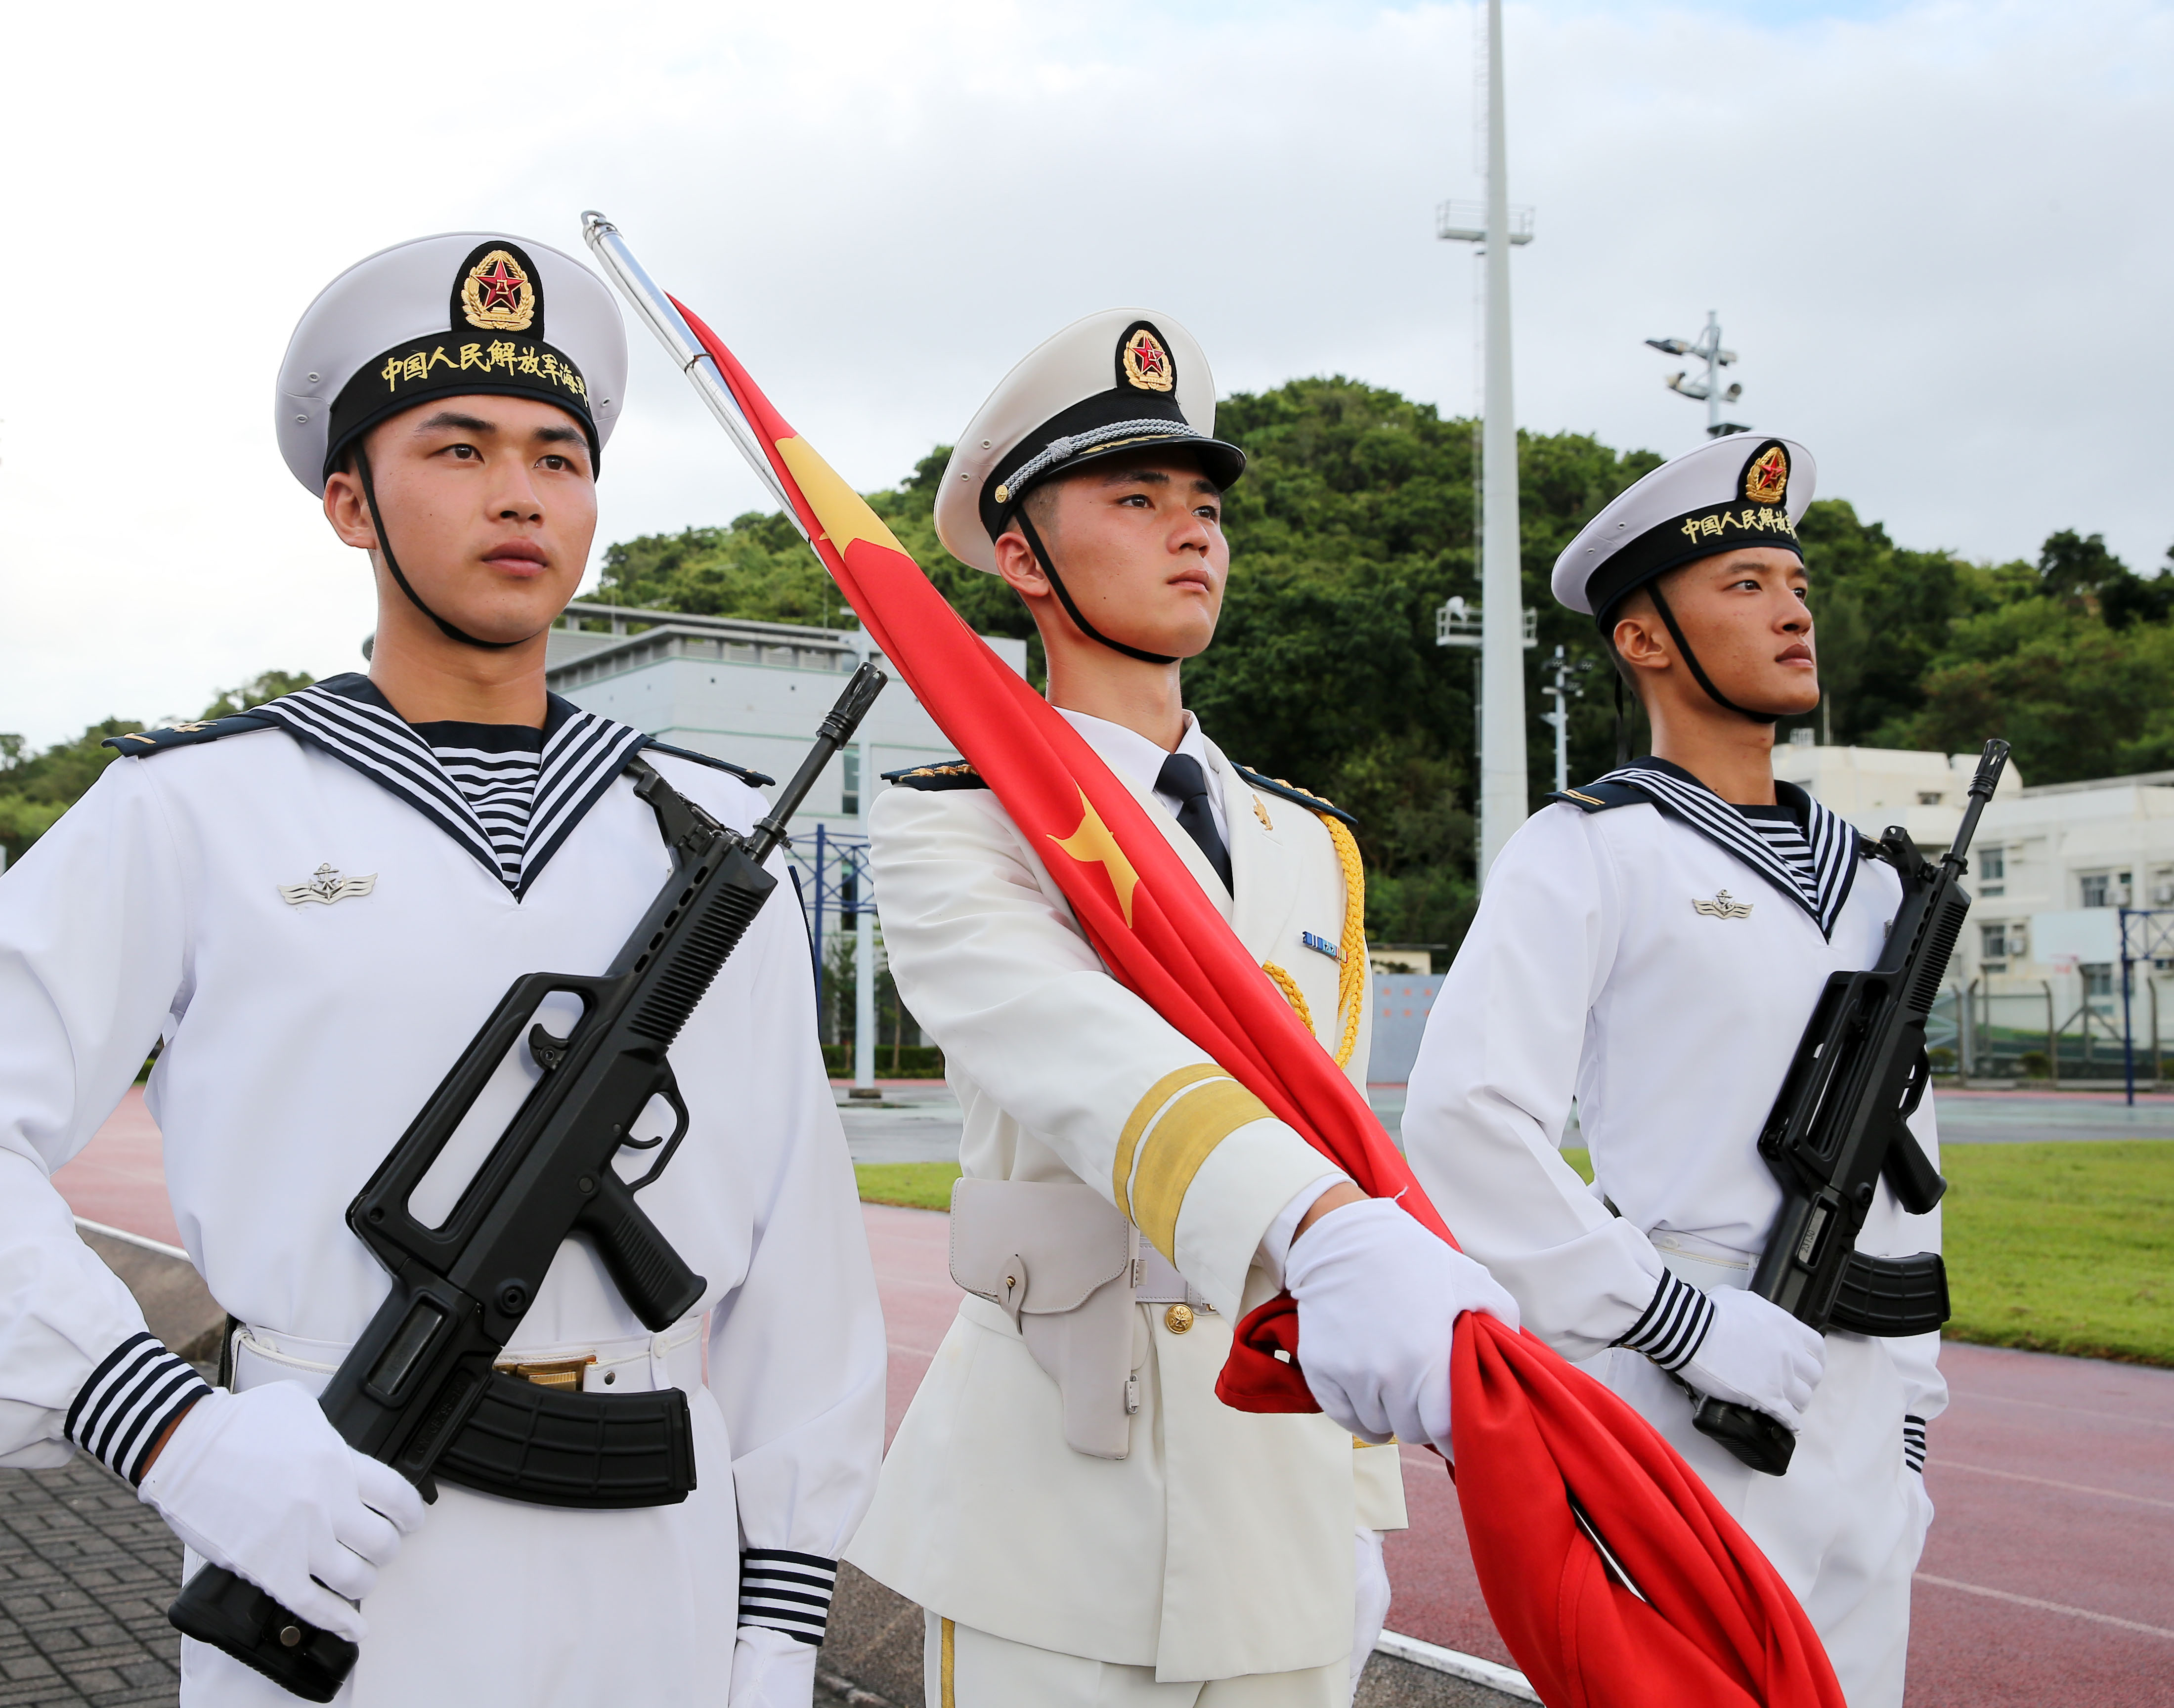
952,774
145,742
1602,797
1291,792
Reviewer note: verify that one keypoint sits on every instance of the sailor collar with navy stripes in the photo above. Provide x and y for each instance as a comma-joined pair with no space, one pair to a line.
347,717
1834,842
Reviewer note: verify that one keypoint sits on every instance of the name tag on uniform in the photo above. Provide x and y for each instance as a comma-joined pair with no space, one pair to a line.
1321,945
1721,907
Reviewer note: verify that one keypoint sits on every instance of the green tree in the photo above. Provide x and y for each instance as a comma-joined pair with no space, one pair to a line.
36,789
270,685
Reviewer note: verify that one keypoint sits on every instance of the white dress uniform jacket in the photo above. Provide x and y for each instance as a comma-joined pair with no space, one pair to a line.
300,1038
1221,1544
1590,971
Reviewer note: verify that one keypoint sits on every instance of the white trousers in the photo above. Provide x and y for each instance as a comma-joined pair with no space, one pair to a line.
1844,1527
962,1667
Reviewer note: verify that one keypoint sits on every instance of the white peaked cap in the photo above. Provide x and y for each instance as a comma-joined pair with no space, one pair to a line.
463,312
1742,490
1115,380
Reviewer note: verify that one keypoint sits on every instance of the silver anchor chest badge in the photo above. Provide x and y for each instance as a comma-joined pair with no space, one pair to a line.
1721,907
328,886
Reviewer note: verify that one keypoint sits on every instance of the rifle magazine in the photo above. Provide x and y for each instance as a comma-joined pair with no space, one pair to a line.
551,1448
1892,1296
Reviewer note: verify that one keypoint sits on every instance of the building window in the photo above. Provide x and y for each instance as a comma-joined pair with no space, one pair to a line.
1993,943
1993,870
850,803
1928,797
2162,886
2097,889
2098,978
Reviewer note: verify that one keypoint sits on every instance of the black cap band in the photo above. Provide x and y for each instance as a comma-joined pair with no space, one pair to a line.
1755,519
493,345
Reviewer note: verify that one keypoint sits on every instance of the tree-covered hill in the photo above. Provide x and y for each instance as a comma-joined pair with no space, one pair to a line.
1355,521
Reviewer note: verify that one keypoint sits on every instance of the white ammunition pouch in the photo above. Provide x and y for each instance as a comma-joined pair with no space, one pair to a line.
1066,1267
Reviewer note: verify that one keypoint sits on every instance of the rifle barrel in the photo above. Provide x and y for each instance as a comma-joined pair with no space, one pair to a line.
1990,764
836,729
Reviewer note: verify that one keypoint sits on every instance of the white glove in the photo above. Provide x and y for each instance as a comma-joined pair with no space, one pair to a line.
1370,1578
1378,1300
261,1483
1756,1354
771,1669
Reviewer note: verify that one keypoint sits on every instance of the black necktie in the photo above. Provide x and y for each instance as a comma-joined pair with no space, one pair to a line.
1182,775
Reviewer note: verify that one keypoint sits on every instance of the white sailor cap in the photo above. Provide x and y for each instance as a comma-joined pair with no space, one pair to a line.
1114,381
460,313
1741,490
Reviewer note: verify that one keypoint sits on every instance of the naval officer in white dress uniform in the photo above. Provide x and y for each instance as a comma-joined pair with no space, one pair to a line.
1082,1520
1652,946
314,906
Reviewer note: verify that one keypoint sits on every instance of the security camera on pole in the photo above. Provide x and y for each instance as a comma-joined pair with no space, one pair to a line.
1503,802
1709,390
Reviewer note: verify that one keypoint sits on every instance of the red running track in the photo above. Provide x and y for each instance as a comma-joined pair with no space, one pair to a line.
2049,1578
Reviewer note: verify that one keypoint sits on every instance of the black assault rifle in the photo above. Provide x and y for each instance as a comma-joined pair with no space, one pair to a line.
420,1390
1838,1126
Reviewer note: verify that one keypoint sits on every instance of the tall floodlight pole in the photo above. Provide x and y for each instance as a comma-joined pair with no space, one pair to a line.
1502,797
1504,624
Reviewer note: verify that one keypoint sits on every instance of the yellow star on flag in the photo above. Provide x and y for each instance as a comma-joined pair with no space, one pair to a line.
1092,845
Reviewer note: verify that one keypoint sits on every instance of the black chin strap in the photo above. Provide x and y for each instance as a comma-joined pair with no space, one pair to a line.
1698,671
392,563
1064,595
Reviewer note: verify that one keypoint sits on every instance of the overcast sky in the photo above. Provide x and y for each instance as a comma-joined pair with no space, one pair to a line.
1937,234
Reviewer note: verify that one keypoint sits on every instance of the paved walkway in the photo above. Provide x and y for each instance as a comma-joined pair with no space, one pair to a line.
86,1570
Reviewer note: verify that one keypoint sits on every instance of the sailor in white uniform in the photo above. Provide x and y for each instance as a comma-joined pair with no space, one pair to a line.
1652,945
314,906
1082,1520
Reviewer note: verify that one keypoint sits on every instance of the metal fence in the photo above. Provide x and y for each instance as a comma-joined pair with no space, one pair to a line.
2028,1031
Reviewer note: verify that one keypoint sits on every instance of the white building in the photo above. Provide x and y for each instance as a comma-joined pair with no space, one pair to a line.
748,692
2050,867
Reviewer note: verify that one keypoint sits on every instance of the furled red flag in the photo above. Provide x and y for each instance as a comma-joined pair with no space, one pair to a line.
1549,1459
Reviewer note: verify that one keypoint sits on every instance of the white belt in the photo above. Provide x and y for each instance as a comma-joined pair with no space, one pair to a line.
639,1363
1160,1282
1703,1262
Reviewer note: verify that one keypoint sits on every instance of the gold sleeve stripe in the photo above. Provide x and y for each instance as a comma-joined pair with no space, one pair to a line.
1177,1146
1292,994
1158,1095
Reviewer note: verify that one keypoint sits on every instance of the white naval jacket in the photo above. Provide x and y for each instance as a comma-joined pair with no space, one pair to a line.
299,1040
1588,971
1221,1544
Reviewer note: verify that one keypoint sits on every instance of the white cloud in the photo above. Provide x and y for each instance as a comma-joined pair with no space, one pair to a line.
1931,230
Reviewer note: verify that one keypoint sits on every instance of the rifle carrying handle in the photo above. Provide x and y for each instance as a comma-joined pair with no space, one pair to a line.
233,1614
1763,1443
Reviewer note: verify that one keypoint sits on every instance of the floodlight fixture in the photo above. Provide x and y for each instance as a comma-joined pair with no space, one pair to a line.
1708,390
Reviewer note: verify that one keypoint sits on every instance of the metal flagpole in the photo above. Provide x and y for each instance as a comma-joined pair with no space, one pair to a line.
865,921
1503,802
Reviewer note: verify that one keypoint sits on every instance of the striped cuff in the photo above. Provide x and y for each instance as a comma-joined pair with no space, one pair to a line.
131,1400
786,1592
1674,1326
1913,1442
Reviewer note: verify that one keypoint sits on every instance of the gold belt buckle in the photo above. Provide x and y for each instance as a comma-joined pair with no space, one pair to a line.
563,1374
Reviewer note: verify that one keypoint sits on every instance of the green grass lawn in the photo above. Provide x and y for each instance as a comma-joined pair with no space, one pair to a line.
919,1185
2057,1247
2052,1247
